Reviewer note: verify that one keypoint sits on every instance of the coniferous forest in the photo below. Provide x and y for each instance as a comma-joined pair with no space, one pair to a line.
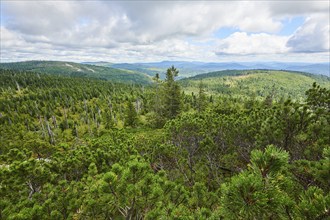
75,147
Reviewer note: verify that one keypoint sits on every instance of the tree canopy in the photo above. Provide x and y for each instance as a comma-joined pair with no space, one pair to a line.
79,148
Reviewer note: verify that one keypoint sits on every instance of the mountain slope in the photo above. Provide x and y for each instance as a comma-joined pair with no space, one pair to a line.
79,70
255,83
188,69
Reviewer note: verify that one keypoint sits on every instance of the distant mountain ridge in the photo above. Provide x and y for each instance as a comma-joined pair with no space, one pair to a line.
188,69
79,70
141,73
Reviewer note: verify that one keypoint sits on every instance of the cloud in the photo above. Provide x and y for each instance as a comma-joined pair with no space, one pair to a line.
312,37
36,18
9,38
13,45
134,22
245,44
131,30
292,7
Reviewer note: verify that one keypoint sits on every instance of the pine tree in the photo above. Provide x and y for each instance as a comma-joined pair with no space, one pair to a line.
261,192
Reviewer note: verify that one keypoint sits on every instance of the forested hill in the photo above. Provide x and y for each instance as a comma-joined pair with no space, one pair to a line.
255,83
82,148
79,70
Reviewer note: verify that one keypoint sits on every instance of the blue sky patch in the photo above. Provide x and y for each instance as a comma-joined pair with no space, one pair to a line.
290,25
225,32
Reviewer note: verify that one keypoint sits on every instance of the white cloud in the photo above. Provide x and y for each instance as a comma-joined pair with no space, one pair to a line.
293,7
131,30
9,38
244,44
136,22
313,36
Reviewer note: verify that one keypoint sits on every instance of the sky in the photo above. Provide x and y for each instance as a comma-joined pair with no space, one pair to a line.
150,31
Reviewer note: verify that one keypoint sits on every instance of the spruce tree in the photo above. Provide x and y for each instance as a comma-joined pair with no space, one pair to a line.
201,102
131,115
172,94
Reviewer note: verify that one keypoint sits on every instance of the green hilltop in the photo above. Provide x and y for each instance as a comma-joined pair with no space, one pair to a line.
255,83
79,70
